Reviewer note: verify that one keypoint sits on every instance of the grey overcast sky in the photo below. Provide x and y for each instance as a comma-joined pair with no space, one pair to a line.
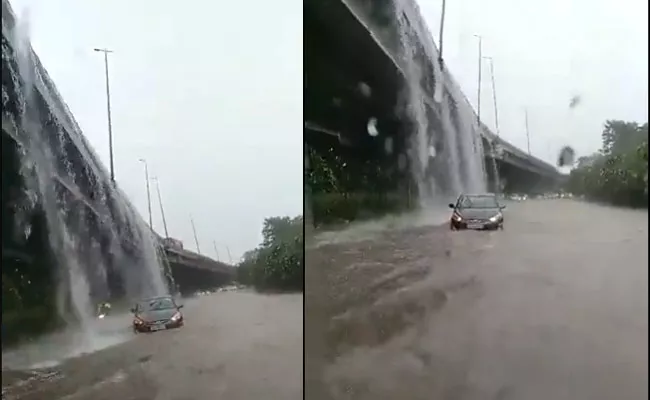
209,93
545,52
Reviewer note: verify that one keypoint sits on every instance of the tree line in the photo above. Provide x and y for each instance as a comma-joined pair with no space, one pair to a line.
618,173
277,264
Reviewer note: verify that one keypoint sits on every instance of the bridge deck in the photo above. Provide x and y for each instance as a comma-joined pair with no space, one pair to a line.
196,260
355,29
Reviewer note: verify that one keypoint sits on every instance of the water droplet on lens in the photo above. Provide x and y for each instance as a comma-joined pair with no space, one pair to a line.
372,127
388,145
365,89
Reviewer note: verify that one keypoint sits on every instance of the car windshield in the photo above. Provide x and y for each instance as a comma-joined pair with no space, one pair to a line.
157,304
479,202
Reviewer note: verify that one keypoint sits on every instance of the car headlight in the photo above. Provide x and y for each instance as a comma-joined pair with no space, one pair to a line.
138,321
176,317
457,217
496,218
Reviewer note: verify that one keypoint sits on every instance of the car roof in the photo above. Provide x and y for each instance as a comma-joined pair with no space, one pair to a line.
156,298
477,195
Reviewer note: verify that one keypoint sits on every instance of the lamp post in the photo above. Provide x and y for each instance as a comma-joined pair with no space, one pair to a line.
162,210
480,58
196,239
146,177
108,109
494,96
215,249
442,30
527,131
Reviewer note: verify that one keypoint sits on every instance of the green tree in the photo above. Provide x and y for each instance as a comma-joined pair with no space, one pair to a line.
277,264
619,137
280,229
619,174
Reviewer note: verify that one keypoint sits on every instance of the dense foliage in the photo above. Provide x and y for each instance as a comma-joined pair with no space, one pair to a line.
344,188
618,173
278,263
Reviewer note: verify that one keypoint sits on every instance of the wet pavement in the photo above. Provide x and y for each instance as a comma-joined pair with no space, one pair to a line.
235,345
553,307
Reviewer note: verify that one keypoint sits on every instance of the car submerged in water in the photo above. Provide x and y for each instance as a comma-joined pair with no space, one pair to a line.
476,211
157,314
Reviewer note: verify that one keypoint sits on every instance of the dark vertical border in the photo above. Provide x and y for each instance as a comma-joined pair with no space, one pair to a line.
305,215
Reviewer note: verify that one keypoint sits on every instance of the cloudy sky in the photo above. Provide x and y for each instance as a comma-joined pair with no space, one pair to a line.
546,52
210,94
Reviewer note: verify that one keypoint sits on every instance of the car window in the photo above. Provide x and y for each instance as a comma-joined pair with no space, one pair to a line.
464,202
459,201
156,304
480,202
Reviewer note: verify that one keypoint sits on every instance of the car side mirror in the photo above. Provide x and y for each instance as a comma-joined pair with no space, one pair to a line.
451,205
502,207
180,306
133,310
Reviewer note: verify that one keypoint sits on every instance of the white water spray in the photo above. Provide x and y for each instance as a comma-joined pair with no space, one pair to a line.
462,166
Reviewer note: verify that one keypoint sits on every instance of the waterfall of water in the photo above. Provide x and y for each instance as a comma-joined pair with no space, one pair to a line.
414,106
37,169
44,128
457,129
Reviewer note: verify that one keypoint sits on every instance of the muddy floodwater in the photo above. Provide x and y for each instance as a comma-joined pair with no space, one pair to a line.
235,345
553,307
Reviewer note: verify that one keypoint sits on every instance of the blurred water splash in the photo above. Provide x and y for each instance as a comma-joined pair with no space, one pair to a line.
51,350
431,214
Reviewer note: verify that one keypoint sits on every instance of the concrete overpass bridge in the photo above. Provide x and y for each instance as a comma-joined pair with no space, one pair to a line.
350,44
57,195
193,271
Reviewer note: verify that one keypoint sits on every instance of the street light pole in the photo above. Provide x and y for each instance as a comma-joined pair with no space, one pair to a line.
108,109
527,131
494,96
442,30
162,210
196,239
480,59
215,249
229,256
146,177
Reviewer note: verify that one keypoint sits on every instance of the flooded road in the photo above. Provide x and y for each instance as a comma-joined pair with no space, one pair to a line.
235,345
553,307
